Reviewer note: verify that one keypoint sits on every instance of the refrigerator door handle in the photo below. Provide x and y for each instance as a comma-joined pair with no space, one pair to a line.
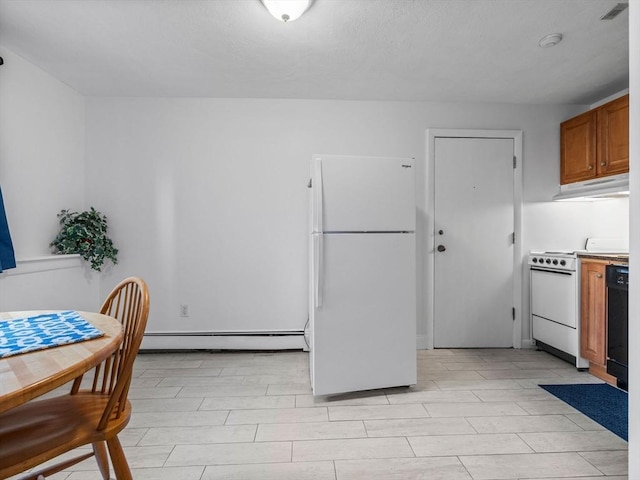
317,273
317,191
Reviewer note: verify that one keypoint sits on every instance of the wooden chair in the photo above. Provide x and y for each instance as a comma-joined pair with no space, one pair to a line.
38,431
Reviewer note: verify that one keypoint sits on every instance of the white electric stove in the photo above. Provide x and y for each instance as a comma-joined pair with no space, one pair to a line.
555,297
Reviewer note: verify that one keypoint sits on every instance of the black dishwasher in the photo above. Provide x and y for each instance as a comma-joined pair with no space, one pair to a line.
617,323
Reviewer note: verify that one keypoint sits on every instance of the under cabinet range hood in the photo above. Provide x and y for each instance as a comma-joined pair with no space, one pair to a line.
613,186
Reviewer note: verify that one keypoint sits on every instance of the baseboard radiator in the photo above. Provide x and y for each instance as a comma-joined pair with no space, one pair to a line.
243,340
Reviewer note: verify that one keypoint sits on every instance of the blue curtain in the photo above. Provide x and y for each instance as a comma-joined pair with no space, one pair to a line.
7,256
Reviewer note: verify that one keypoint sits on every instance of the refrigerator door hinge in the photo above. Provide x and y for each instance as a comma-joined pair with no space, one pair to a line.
513,313
310,184
514,161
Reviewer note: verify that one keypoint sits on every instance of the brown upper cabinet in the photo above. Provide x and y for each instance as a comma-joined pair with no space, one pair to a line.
596,143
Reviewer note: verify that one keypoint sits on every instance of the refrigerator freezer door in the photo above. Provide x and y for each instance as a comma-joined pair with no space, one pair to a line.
363,194
363,335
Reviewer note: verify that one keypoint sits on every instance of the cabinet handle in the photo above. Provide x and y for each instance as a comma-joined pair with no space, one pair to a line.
598,275
603,164
590,167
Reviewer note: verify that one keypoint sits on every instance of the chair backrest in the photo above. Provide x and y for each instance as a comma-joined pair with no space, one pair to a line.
129,303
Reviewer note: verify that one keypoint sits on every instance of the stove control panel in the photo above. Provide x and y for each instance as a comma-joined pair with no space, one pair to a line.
553,261
548,261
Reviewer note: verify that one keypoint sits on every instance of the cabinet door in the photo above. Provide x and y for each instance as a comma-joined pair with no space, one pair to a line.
613,137
578,148
593,326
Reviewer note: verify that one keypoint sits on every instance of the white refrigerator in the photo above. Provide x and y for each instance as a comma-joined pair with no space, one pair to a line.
362,296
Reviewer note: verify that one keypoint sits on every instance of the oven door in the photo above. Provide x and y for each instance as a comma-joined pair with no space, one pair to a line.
554,296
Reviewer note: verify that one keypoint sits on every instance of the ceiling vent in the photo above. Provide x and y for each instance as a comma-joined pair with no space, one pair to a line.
615,11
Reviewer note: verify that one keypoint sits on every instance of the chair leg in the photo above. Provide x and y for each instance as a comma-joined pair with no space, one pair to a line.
118,460
100,451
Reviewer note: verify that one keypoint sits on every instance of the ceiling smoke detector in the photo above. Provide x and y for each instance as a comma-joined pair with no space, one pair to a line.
615,11
550,40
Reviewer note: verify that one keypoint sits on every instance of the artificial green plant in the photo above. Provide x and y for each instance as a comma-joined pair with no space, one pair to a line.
85,233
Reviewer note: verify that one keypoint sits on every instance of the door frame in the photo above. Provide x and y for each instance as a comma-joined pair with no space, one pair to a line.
431,135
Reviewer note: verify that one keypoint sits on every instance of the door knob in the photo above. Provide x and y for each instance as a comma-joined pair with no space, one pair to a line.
440,232
441,248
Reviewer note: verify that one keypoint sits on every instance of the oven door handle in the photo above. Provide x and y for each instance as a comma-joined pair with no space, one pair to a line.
559,272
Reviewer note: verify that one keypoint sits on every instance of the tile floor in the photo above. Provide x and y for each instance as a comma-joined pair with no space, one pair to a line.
474,415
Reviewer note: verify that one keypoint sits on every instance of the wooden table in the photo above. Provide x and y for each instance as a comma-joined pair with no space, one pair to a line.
29,375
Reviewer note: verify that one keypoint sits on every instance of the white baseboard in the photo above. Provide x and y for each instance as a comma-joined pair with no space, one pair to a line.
423,344
223,342
234,342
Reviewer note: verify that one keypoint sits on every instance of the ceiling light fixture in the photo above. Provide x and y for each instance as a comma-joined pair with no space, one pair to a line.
286,10
550,40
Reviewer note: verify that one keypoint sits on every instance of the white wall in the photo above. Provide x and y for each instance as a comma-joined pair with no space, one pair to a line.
575,222
53,282
41,152
41,172
208,198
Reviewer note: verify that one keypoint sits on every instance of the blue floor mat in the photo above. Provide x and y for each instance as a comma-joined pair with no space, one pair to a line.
607,405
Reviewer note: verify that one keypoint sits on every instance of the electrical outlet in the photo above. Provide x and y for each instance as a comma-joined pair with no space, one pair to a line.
184,310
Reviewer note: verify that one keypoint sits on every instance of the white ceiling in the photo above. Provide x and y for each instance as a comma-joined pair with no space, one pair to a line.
434,50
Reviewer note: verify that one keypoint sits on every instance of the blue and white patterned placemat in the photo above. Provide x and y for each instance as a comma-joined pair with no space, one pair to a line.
22,335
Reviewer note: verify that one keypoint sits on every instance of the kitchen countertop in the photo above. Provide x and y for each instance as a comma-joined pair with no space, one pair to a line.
612,257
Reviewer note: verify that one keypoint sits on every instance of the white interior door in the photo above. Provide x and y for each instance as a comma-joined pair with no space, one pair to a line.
474,225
